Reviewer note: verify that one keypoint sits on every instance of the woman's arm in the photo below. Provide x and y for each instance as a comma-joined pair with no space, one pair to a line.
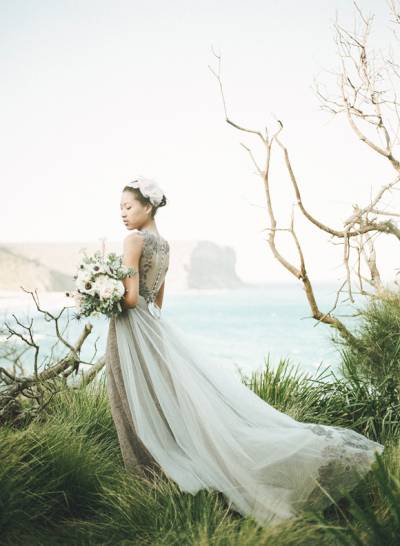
132,250
160,295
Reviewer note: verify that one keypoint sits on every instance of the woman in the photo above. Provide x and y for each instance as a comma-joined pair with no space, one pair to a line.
178,411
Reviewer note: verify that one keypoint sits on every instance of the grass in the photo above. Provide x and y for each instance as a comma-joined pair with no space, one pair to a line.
62,479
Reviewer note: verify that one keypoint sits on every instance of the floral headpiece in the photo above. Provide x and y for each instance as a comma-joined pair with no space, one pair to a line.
149,188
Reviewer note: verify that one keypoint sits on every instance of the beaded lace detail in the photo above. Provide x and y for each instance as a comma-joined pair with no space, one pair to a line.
347,454
153,265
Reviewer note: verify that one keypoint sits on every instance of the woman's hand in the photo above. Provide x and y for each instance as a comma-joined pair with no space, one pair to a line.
132,250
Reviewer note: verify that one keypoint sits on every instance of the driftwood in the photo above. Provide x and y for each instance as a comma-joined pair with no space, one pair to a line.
47,378
362,101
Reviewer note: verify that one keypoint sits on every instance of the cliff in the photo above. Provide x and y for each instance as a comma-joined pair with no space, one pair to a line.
51,266
17,270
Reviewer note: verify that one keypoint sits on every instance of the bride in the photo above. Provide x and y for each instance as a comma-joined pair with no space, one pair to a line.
179,412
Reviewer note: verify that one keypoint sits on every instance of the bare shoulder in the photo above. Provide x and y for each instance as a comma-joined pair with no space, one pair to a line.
133,239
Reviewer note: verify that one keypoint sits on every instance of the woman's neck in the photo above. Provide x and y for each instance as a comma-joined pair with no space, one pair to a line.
151,227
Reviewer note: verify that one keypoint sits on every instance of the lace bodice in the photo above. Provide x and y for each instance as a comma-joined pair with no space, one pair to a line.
153,264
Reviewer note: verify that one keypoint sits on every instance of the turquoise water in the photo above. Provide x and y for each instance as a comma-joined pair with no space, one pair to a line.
240,327
243,326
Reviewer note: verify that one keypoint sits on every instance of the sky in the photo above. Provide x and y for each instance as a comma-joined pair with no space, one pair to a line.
94,92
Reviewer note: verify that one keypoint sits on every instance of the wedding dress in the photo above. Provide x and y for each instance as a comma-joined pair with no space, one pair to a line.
175,407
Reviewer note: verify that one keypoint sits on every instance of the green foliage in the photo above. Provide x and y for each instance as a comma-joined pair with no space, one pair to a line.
370,368
375,350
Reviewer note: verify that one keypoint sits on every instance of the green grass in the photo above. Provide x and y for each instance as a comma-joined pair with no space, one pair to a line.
62,479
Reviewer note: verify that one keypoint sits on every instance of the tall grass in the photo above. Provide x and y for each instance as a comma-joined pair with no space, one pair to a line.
62,479
370,367
364,393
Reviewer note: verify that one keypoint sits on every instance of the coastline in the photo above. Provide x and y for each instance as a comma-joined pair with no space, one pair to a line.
18,299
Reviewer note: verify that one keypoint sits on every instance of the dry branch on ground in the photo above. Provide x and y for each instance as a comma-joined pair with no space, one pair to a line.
49,376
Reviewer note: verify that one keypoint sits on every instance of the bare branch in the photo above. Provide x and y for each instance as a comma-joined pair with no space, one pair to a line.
362,97
41,385
217,74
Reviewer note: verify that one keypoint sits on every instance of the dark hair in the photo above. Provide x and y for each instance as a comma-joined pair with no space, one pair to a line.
145,200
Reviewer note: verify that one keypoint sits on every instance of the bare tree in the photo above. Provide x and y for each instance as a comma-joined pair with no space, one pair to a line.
364,99
49,375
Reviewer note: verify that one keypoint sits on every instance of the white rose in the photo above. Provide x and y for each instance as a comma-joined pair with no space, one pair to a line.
107,292
120,288
104,286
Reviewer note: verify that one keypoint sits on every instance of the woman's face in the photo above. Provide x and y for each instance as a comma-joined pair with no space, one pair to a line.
133,213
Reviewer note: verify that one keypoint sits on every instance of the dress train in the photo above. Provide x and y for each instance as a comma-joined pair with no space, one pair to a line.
178,409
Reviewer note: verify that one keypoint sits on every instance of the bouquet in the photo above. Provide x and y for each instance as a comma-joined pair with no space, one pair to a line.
99,286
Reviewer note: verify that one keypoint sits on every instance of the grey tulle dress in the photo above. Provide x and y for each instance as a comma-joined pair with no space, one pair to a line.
179,411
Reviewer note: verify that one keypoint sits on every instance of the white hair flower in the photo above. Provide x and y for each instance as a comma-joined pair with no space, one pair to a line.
149,188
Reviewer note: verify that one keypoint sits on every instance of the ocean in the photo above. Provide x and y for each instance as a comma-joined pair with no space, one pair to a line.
242,327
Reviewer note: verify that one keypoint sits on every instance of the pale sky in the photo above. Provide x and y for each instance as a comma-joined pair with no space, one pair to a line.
94,92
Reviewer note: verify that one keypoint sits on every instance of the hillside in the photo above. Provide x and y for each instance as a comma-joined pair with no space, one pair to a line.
18,270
